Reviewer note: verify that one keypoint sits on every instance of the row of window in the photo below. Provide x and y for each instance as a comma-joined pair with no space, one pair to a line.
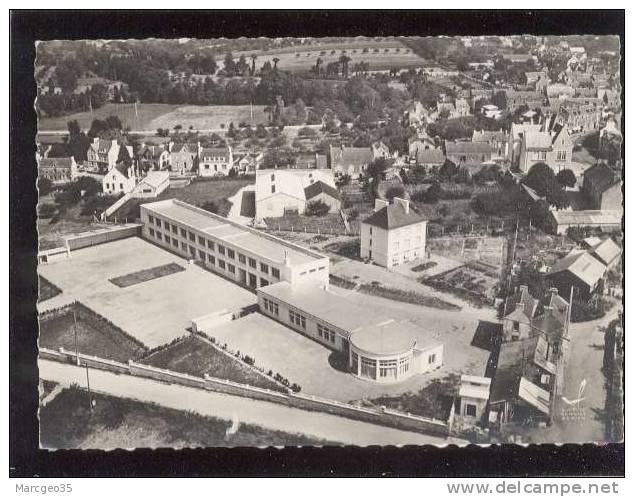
297,319
221,249
271,307
325,333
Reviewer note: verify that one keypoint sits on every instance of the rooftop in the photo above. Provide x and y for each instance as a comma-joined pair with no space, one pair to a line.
264,245
582,265
394,216
588,217
369,329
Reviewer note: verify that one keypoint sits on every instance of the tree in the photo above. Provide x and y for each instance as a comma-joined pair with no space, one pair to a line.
377,168
275,61
395,191
448,169
44,186
317,208
46,210
542,179
567,178
210,206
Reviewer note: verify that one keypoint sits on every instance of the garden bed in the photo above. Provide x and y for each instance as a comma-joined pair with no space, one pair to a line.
424,266
95,335
67,422
194,356
47,289
408,296
146,275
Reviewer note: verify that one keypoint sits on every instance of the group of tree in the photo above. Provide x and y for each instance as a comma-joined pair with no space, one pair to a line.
543,180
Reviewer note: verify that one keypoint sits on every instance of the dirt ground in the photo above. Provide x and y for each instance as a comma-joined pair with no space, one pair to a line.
156,311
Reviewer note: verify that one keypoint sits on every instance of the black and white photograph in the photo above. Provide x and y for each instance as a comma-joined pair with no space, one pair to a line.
329,241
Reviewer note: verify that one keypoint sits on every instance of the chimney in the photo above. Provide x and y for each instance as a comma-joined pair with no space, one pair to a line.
523,288
379,204
287,261
403,203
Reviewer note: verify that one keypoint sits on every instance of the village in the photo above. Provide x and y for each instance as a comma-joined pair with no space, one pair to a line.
426,249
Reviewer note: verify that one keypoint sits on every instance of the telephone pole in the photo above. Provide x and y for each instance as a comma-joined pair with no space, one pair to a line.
75,330
88,384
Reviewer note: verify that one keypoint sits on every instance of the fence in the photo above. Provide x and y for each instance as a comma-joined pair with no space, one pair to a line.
105,235
383,416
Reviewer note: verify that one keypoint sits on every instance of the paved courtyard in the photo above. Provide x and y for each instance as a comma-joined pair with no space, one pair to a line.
155,311
308,363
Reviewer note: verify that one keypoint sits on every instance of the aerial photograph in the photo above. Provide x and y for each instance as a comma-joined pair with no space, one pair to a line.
332,241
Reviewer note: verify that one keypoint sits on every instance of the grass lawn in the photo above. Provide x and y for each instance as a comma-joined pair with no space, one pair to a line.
51,231
196,193
67,422
146,275
149,117
194,356
432,401
408,296
95,335
47,289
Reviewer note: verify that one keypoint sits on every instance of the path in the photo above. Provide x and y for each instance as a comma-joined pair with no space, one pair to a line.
235,213
267,414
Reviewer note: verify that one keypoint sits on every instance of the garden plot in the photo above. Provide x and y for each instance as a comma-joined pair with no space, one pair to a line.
486,249
475,282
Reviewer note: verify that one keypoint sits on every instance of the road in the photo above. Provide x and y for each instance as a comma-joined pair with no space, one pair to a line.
266,414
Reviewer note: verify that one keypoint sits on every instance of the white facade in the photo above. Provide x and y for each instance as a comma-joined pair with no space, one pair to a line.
215,161
116,181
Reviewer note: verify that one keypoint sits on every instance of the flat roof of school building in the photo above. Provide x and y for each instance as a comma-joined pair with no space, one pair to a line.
265,246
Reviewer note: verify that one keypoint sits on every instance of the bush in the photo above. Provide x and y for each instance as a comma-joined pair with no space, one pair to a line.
395,191
44,185
567,178
46,210
317,208
210,206
429,196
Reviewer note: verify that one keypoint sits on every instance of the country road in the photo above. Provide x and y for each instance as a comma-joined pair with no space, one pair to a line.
266,414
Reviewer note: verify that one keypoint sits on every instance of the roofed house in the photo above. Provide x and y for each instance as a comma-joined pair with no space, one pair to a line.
602,187
578,270
215,161
516,99
393,233
103,154
57,170
607,252
519,311
153,158
153,184
349,160
497,140
559,222
516,136
469,154
429,158
280,191
183,156
552,147
120,179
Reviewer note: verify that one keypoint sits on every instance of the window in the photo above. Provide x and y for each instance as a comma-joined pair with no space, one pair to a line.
212,259
264,268
431,359
271,307
168,240
120,186
221,264
150,218
403,365
201,254
158,223
297,319
470,410
183,246
231,254
192,250
174,228
221,249
159,235
252,263
242,258
355,362
264,282
167,226
175,242
272,177
275,273
272,188
231,268
561,155
325,333
387,369
210,244
192,237
201,241
368,367
183,233
151,232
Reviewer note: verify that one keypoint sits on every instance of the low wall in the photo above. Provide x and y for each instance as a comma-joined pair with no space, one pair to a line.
383,416
105,235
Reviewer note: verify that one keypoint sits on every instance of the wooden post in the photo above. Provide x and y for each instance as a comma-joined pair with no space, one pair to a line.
75,329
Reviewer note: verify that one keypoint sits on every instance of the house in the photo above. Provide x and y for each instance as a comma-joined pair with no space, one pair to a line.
516,99
103,154
152,184
519,58
559,91
319,191
393,234
606,252
519,311
153,158
57,170
469,154
537,79
497,140
120,179
491,111
376,347
602,186
428,158
310,160
380,150
473,397
516,135
462,108
553,147
349,160
248,162
279,191
215,161
578,270
183,157
416,114
559,222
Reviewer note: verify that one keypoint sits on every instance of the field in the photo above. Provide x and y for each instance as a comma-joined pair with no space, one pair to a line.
95,335
194,356
380,55
70,221
146,275
490,250
149,117
68,423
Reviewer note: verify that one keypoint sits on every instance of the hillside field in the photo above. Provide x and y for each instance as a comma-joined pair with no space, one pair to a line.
149,117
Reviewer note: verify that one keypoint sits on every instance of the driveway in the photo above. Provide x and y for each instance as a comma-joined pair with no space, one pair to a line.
267,414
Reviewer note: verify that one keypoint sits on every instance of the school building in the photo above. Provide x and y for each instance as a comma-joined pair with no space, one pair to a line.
250,257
